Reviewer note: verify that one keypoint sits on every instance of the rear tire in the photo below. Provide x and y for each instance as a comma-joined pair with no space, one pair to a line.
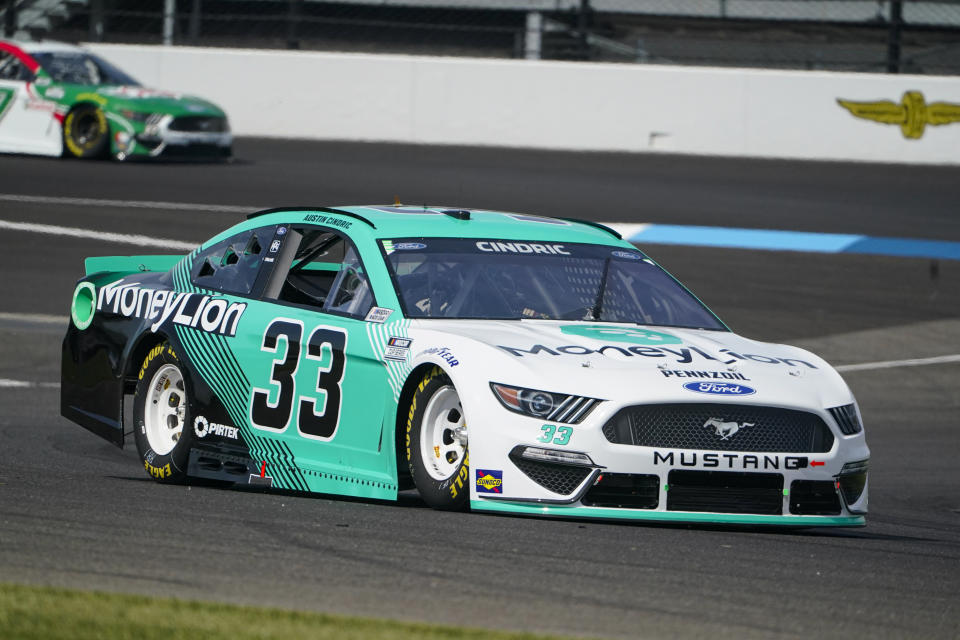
161,416
437,452
86,133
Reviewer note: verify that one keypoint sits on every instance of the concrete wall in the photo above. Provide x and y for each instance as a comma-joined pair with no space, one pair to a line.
557,105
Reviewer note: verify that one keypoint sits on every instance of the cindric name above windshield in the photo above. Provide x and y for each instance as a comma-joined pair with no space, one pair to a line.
521,247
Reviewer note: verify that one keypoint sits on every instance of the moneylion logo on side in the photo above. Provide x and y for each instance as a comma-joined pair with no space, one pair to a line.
207,313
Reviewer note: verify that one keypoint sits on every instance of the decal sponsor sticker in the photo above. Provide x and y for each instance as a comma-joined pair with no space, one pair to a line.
706,375
207,313
274,246
397,348
54,93
327,220
203,428
720,388
626,255
281,231
490,246
489,481
621,334
682,355
378,315
729,460
444,353
408,246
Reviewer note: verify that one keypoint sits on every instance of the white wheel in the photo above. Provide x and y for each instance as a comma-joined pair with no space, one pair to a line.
443,434
165,409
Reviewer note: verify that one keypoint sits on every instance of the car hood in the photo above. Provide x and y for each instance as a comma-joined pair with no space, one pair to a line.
605,359
146,100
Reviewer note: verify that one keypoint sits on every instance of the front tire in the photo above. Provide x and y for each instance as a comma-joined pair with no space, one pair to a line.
437,451
86,133
161,416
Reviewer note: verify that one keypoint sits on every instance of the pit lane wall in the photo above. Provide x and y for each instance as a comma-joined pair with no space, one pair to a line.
562,105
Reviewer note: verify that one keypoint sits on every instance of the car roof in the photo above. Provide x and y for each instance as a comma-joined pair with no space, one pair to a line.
400,221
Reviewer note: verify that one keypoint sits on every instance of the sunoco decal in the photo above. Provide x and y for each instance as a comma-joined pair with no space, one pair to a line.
208,313
489,481
720,388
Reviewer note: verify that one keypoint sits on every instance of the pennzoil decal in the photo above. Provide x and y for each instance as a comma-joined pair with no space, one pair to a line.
207,313
913,114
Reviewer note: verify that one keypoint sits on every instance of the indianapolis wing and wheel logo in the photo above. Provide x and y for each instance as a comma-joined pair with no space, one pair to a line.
913,114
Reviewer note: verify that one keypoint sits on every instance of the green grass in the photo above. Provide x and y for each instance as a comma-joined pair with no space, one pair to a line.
44,613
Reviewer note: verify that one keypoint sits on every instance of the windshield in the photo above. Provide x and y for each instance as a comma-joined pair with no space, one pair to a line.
492,279
72,67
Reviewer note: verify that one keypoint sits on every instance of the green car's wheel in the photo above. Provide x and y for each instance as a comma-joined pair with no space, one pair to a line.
161,416
437,443
86,133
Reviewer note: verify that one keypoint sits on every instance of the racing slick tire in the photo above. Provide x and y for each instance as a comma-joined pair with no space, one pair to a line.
86,133
436,440
161,416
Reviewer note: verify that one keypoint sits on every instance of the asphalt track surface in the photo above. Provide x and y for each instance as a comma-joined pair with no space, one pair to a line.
78,512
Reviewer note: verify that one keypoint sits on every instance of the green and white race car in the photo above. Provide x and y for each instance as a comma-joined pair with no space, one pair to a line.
59,99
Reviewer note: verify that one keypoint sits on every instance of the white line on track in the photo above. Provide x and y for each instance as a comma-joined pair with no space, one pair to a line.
143,241
892,364
133,204
6,383
35,318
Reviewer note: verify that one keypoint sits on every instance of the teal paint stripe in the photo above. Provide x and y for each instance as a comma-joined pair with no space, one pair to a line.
775,240
564,511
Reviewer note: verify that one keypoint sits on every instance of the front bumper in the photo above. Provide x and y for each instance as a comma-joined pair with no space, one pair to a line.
164,137
679,485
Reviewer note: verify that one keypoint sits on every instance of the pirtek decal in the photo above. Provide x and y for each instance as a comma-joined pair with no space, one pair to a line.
211,314
683,355
913,113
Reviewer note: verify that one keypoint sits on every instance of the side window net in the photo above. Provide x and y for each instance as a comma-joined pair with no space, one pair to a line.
324,273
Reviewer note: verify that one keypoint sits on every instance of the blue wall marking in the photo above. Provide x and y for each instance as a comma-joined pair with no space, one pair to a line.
771,240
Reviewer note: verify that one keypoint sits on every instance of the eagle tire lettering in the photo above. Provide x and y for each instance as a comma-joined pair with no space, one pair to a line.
451,493
170,467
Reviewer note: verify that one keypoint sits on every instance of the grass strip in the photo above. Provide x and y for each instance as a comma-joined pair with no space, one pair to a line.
46,613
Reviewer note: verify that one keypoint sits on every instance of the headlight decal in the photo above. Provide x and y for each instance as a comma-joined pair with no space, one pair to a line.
544,405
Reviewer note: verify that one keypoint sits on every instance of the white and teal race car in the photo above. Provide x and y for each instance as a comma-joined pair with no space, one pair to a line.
502,362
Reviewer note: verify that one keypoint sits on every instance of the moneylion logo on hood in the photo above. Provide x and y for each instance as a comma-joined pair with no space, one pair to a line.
621,334
913,114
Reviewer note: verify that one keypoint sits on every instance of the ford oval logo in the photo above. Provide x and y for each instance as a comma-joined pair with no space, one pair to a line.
626,255
720,388
409,246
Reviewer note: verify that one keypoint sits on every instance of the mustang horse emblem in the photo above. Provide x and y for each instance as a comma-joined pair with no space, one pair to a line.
726,429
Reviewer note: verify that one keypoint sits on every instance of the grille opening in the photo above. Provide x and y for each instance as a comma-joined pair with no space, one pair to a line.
719,427
624,491
204,124
814,498
725,492
562,479
847,420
